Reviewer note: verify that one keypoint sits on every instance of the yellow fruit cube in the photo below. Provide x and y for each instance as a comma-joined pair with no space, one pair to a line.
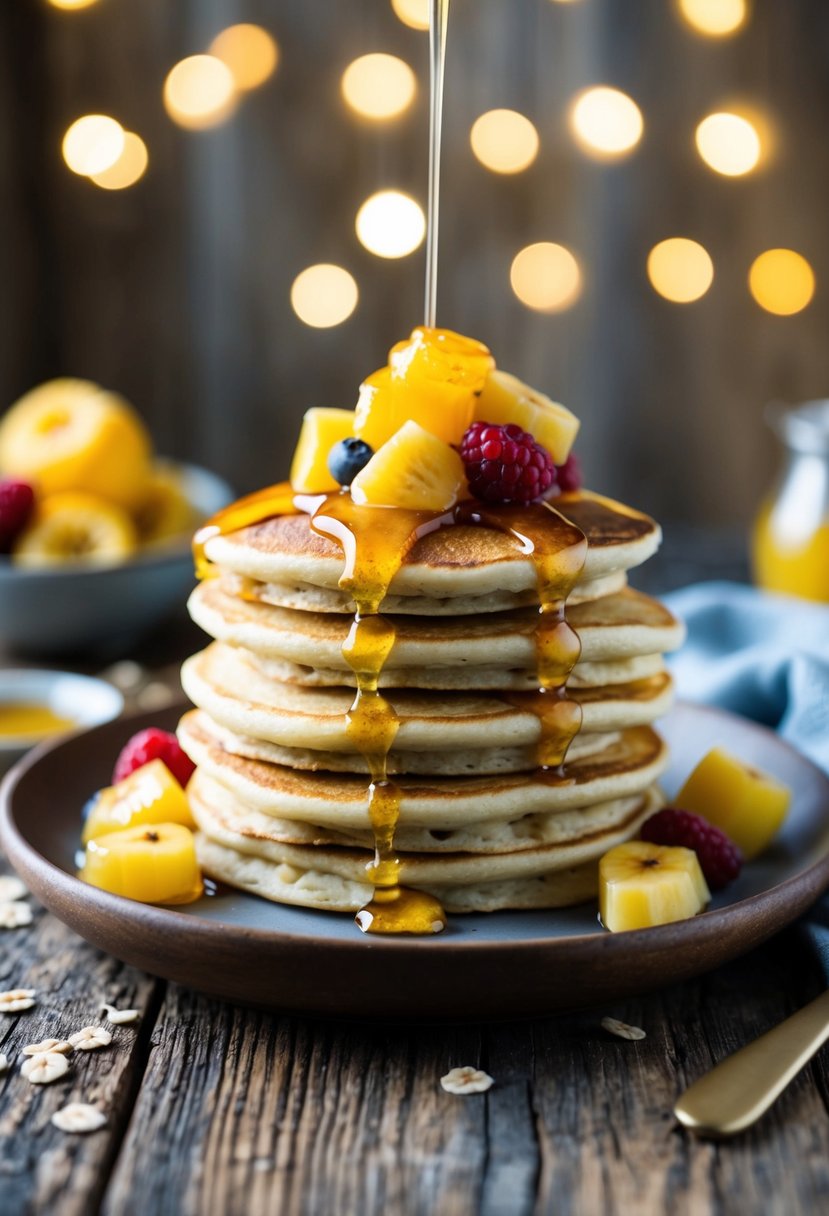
76,528
155,864
414,469
68,435
749,806
148,796
506,399
321,429
642,884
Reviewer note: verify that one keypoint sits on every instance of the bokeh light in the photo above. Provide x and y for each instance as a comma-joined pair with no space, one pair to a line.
92,144
324,295
680,270
378,86
781,281
714,18
72,4
728,143
504,141
200,92
546,277
250,52
414,13
391,224
606,122
129,168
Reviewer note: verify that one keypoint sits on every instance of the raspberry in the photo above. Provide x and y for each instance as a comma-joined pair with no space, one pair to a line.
505,464
569,475
17,500
153,744
719,858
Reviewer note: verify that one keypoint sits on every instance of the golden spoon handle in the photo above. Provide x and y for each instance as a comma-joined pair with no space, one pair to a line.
738,1091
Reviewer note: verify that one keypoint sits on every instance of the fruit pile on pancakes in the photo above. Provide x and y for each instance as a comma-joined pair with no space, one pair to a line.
377,632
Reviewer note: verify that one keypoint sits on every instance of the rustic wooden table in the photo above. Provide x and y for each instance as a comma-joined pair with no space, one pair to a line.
218,1111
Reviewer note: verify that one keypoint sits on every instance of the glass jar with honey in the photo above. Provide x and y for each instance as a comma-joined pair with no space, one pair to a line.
790,542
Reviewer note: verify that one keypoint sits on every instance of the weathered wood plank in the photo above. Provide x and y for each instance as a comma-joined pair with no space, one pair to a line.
242,1113
43,1169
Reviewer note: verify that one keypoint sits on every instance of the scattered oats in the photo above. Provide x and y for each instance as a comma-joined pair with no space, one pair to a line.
126,675
15,916
119,1017
155,696
61,1046
90,1038
17,999
622,1030
466,1081
79,1117
44,1068
11,888
4,1063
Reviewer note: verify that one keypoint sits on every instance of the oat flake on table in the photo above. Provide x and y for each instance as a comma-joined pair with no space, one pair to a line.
62,1046
44,1068
466,1080
15,915
11,888
17,999
120,1017
622,1030
79,1117
89,1038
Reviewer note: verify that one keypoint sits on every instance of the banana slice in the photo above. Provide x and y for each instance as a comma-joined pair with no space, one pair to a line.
79,529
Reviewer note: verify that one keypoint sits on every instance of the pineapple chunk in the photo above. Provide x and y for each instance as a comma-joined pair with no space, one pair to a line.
643,884
321,429
432,378
155,864
414,469
507,399
148,796
749,806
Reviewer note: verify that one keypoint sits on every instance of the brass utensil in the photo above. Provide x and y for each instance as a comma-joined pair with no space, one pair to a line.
735,1093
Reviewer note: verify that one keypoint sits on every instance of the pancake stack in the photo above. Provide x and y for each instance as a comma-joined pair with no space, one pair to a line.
281,792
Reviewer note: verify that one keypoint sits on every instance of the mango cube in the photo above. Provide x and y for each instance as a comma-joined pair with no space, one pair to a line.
506,399
749,806
321,429
414,469
155,864
642,884
148,796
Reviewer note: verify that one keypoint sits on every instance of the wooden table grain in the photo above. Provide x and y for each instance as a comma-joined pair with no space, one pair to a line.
215,1110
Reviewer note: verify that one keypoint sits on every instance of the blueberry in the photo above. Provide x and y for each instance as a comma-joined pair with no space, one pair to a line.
89,806
346,458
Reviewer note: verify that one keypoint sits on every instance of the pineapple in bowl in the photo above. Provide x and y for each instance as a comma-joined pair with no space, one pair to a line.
94,530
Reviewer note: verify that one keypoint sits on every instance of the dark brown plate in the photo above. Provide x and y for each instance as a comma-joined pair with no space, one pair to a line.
508,964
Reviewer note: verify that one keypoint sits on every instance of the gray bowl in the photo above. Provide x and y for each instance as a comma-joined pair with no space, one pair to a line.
77,609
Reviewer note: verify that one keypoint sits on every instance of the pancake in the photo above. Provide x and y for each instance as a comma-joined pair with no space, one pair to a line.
460,561
245,833
447,763
618,626
221,682
287,884
340,801
528,832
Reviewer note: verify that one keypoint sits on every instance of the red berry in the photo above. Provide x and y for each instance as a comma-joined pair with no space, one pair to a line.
17,501
569,475
505,464
154,744
719,858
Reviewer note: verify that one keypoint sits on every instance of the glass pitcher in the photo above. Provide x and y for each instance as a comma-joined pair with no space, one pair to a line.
790,542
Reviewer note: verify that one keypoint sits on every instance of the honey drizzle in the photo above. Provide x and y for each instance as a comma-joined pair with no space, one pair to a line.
254,509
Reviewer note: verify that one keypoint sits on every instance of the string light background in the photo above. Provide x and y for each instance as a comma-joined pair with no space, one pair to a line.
219,209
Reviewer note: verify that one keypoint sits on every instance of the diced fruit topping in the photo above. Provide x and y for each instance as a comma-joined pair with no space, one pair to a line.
414,469
432,379
642,884
719,859
347,458
504,464
154,744
149,796
569,475
17,501
749,806
68,435
322,429
155,864
76,528
506,399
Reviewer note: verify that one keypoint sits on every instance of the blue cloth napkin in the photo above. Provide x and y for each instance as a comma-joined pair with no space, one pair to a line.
765,657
